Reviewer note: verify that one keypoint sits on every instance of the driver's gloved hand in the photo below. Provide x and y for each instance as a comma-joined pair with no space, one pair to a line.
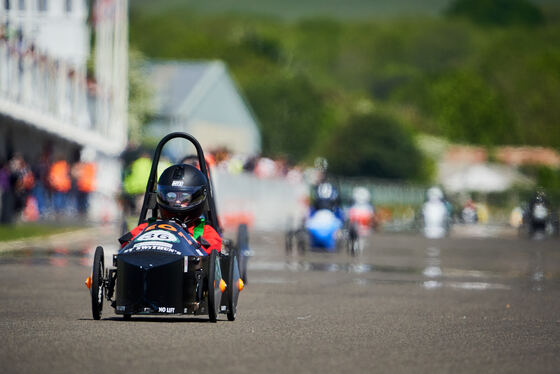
203,242
126,238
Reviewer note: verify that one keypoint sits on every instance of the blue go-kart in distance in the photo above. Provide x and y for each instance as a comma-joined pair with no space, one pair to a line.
163,270
325,229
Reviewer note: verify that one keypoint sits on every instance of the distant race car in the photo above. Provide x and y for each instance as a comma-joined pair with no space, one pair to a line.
325,229
163,270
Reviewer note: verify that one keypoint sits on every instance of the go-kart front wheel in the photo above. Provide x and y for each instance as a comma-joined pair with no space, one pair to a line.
214,291
97,283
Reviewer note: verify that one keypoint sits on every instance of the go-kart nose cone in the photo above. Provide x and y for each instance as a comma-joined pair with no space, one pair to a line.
149,280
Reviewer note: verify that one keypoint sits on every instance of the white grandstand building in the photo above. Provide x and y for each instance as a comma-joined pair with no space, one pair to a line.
54,90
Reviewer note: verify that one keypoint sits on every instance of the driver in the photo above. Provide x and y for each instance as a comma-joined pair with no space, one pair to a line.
325,196
538,198
181,197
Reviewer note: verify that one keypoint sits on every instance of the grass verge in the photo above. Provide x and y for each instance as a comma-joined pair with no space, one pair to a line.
32,230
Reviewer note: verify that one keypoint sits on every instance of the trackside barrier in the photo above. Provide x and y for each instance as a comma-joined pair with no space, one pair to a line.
265,204
279,204
385,193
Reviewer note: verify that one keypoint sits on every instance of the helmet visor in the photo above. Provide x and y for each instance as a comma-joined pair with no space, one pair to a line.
184,197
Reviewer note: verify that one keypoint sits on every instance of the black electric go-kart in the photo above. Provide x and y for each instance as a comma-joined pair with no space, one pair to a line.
164,270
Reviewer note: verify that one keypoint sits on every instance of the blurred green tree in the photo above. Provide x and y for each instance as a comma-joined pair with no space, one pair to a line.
497,12
375,144
489,85
524,67
262,45
291,113
466,109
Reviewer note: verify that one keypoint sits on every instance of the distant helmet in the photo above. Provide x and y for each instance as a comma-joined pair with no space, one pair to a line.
434,193
327,197
181,193
540,195
361,195
321,164
326,191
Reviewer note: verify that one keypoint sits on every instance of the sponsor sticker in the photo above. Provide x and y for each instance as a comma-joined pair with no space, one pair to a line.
140,247
163,309
177,183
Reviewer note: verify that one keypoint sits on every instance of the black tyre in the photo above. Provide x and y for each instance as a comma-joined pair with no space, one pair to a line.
354,247
97,283
531,230
232,286
289,242
353,243
243,246
126,317
301,240
214,292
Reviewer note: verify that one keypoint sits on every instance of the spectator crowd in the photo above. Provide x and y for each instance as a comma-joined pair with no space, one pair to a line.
47,188
30,77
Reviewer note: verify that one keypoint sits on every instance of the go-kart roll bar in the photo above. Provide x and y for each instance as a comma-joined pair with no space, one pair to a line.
212,215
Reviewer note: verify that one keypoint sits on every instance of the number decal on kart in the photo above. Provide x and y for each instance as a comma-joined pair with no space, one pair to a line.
164,226
162,235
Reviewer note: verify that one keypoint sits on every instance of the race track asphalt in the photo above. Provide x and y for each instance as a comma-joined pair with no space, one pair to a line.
407,305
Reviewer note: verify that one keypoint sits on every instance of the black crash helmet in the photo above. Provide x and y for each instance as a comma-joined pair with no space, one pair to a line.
181,193
327,196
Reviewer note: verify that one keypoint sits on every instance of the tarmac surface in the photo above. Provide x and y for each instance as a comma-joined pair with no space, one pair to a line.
407,304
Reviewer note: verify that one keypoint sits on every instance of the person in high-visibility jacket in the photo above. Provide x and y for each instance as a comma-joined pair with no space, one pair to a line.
134,183
60,183
84,174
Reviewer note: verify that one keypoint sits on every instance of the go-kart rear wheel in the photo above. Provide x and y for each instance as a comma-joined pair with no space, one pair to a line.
353,241
97,283
214,291
232,286
289,242
354,247
243,246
